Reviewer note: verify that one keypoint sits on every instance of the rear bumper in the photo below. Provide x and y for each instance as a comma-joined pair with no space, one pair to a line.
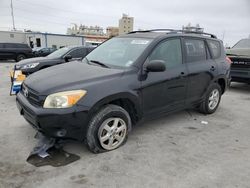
68,123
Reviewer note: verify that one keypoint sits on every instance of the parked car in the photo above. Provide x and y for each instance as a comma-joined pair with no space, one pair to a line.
42,52
124,80
63,55
240,56
16,51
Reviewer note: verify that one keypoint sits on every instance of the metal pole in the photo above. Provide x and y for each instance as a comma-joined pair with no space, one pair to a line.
223,35
12,14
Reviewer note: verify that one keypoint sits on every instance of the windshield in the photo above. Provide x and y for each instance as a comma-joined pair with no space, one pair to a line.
59,53
244,43
37,49
121,52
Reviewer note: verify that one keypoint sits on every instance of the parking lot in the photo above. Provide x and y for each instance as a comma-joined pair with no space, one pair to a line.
185,149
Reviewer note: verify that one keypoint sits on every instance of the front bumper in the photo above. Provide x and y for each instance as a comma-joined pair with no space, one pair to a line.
240,75
68,123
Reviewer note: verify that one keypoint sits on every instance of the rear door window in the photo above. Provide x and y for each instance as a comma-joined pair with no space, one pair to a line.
215,48
195,50
10,45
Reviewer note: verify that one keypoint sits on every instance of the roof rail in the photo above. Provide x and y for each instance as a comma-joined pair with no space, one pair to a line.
195,32
171,31
151,30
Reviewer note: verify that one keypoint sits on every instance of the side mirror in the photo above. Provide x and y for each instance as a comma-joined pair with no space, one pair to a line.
156,66
67,58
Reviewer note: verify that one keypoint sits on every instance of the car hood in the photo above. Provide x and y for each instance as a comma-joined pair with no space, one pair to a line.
34,60
69,76
238,52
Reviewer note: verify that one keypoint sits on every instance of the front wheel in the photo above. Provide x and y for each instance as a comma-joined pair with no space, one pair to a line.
108,129
212,99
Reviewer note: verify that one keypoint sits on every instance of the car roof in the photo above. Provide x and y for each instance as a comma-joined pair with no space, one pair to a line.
77,46
12,43
161,33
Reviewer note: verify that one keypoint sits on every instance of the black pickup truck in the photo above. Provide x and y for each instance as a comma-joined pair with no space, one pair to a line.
240,56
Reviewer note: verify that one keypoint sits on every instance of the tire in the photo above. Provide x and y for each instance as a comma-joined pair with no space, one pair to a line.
108,129
20,57
213,94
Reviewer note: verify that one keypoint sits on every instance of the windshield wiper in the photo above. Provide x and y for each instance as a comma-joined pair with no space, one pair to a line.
99,63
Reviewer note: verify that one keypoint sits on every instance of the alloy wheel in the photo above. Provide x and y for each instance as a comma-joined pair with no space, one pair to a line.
112,133
213,99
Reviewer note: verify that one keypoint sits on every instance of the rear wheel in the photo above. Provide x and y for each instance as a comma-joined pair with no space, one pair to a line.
212,99
108,129
20,57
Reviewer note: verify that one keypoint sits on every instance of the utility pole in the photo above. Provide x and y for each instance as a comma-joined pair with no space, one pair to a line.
12,14
223,35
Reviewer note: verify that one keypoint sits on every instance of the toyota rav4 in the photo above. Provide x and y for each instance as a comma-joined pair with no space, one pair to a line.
125,80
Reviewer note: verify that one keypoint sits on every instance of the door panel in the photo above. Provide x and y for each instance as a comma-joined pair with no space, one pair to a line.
165,91
200,67
200,75
8,51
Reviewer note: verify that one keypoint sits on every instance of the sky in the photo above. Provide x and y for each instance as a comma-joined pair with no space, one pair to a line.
228,19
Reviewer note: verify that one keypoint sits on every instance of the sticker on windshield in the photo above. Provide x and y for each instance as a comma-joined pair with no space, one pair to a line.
139,42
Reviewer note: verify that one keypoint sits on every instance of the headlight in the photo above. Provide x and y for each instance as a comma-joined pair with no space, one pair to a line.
17,67
30,66
64,99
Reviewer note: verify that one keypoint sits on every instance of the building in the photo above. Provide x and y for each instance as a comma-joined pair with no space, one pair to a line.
85,30
39,39
93,35
53,40
112,31
126,24
12,37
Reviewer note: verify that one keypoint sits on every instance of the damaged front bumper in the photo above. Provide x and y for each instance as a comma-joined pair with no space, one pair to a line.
68,123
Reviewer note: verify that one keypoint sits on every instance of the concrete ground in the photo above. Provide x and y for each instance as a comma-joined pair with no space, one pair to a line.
174,151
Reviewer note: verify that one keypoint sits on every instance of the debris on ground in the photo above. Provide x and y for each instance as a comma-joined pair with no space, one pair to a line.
48,151
204,122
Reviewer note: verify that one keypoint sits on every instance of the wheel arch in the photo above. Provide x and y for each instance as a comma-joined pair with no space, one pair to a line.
128,101
221,80
20,53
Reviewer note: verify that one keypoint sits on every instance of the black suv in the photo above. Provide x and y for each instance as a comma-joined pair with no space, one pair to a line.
60,56
16,51
124,80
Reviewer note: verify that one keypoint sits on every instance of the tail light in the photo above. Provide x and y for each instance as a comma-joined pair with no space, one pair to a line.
228,60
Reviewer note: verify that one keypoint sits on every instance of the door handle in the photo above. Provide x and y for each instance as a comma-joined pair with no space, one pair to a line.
212,68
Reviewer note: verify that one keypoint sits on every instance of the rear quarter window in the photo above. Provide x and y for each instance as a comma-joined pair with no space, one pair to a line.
215,48
22,46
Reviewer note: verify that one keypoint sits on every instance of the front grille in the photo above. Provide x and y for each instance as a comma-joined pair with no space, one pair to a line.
32,96
240,62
